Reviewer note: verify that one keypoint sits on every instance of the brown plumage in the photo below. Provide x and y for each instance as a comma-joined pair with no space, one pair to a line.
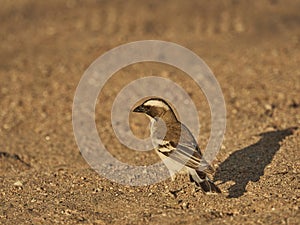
173,140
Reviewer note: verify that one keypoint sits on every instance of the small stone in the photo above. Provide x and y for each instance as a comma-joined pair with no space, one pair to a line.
18,184
185,205
100,222
268,107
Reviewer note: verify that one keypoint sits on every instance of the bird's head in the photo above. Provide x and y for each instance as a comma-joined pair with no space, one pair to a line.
155,108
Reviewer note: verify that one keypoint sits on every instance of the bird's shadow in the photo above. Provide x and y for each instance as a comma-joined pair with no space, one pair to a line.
248,164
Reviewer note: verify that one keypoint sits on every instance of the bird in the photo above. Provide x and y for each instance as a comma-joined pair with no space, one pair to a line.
172,140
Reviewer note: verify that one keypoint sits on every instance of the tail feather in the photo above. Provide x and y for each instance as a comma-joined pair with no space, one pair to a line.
201,179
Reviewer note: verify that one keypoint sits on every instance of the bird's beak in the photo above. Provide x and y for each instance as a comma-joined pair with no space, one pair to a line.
139,109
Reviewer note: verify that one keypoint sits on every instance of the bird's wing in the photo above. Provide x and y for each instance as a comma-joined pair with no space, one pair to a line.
180,145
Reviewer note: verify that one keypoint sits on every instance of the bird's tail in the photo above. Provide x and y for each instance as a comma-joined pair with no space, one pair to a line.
202,180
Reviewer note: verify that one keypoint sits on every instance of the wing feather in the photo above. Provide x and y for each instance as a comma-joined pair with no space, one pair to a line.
180,145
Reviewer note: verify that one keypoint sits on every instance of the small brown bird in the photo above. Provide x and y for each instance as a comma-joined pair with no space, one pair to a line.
175,142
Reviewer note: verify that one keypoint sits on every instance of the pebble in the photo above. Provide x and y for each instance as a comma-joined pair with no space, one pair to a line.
6,126
185,205
268,107
100,222
18,184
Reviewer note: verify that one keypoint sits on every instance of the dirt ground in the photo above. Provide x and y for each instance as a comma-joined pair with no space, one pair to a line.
251,46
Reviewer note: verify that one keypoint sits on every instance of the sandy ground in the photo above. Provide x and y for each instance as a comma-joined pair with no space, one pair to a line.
253,50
